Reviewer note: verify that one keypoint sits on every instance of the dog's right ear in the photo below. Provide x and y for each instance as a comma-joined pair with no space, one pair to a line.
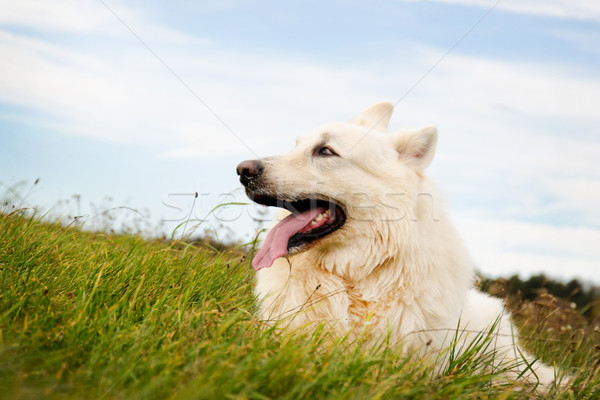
417,148
375,117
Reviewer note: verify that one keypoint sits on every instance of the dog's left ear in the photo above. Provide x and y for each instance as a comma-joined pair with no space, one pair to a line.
417,148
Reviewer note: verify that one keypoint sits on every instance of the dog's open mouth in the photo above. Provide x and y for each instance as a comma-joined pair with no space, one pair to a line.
311,219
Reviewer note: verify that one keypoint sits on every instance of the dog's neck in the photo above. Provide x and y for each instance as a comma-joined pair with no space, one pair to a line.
410,266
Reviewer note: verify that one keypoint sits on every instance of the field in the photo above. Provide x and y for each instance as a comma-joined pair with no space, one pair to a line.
96,316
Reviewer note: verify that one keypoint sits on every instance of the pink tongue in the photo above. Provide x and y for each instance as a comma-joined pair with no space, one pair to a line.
275,245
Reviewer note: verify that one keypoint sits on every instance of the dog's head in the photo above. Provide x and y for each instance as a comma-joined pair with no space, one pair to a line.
339,181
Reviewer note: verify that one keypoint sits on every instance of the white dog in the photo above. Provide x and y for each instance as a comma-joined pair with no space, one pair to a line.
362,245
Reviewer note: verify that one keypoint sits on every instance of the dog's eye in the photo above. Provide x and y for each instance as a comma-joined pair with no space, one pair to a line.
325,151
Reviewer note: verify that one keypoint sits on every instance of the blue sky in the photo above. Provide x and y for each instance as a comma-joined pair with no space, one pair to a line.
90,110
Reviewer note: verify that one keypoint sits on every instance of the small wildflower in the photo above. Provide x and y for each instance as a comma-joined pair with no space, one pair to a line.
573,305
566,328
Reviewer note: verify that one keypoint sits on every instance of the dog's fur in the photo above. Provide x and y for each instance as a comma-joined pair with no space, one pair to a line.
397,266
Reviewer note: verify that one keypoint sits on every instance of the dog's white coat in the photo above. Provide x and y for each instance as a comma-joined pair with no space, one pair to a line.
397,267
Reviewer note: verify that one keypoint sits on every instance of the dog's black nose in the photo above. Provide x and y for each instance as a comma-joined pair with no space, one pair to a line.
249,170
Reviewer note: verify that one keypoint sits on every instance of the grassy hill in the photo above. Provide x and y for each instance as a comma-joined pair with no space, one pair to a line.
95,316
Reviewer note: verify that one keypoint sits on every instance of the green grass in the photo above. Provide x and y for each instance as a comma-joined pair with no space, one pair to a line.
95,316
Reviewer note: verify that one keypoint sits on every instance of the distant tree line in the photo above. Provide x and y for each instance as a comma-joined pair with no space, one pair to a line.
573,291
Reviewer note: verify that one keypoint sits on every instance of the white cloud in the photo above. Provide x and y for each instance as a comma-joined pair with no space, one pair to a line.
124,94
88,17
62,15
537,90
575,195
501,248
525,134
578,9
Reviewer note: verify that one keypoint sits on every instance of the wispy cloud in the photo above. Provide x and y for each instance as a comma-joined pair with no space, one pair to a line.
87,17
63,15
512,247
124,94
578,9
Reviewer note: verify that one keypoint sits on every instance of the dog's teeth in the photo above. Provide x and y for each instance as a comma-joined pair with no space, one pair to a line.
319,217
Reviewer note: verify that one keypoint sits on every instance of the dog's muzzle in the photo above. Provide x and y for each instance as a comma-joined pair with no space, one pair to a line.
249,171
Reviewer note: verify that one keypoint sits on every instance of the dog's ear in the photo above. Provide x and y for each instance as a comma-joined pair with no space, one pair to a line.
375,117
417,148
